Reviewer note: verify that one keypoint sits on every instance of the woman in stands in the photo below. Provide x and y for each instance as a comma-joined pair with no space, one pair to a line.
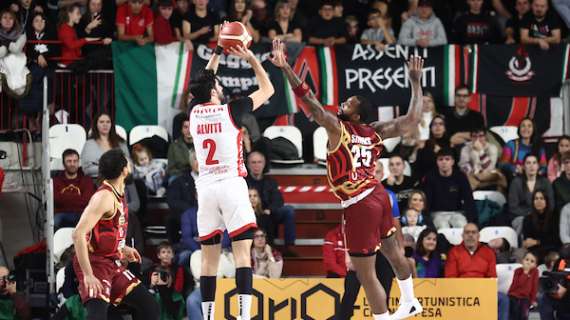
12,36
103,138
284,27
263,220
515,150
438,139
540,230
240,11
428,260
417,201
554,168
267,262
95,23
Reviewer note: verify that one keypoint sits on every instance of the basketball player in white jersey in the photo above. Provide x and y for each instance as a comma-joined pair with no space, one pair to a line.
223,200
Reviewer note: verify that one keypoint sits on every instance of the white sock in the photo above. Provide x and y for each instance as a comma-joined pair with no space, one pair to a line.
244,306
406,289
384,316
208,310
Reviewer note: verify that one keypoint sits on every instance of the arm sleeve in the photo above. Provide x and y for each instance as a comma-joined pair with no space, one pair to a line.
507,161
18,45
534,286
89,164
69,41
275,197
394,204
515,199
451,265
238,107
492,271
565,224
406,36
440,36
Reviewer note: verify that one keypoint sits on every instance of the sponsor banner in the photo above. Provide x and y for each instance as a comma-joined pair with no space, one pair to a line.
316,298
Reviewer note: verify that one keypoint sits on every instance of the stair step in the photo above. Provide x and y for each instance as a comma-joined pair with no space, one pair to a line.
311,229
304,250
319,214
303,266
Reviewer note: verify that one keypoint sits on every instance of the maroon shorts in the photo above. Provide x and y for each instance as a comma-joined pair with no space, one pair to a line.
367,222
117,281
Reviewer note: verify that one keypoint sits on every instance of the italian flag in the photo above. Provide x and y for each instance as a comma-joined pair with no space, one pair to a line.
149,82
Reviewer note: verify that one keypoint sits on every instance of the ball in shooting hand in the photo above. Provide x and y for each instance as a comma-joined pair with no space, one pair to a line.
234,34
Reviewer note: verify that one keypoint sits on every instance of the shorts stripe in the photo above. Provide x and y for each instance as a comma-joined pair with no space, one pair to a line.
242,229
211,235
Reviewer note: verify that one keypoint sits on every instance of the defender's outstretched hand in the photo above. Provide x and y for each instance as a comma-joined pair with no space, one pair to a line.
278,54
415,67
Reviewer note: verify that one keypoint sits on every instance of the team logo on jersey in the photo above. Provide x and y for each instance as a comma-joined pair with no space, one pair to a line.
520,67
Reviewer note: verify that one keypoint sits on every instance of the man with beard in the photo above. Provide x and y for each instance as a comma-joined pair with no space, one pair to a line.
353,149
540,27
71,191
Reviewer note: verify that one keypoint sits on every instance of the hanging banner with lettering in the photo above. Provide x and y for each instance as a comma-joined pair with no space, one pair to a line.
314,298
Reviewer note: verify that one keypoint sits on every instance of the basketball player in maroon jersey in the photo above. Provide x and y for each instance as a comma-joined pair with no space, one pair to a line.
353,149
100,248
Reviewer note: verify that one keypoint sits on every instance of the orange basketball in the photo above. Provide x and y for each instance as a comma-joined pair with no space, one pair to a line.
234,34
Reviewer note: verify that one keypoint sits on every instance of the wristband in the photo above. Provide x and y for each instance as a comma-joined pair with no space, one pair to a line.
301,90
218,50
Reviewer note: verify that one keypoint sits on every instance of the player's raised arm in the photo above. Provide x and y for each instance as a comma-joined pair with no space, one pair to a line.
215,58
409,122
301,89
265,90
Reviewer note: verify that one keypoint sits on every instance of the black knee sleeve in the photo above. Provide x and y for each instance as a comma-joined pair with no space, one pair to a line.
143,302
96,309
208,288
244,280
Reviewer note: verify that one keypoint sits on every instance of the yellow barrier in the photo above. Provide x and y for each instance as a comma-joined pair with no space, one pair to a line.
315,298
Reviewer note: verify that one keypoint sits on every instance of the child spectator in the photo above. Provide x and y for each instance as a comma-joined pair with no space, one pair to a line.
12,36
181,280
150,170
379,32
165,31
171,302
412,223
428,260
522,293
267,262
554,168
134,22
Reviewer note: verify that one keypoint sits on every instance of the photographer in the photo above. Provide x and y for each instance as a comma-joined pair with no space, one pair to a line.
13,305
171,302
556,298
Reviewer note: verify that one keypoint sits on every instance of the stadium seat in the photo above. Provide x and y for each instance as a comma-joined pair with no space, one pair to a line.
59,279
320,139
494,196
385,162
505,273
62,239
141,132
61,137
489,233
407,169
507,133
453,235
121,132
391,143
290,133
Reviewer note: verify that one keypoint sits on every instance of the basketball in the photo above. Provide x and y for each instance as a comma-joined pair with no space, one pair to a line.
234,34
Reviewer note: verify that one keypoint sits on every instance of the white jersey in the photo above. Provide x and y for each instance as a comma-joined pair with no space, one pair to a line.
218,143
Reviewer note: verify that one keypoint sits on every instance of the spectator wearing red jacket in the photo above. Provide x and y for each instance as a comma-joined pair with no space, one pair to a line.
134,22
71,191
71,44
334,253
522,293
471,259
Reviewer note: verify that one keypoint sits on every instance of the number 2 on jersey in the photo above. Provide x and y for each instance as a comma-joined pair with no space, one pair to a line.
211,146
362,156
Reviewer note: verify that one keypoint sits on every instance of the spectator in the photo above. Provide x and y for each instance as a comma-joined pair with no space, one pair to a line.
379,175
150,171
334,253
263,217
428,260
428,113
326,29
25,10
352,30
181,280
540,27
471,258
171,302
134,22
523,289
103,138
516,150
417,201
424,29
438,139
565,224
549,261
379,32
561,185
520,199
267,262
164,28
71,191
479,162
559,299
271,198
95,23
12,36
477,26
460,120
412,223
14,304
181,197
563,9
398,182
555,167
262,14
201,25
240,11
540,232
503,250
179,151
449,194
182,8
283,27
512,30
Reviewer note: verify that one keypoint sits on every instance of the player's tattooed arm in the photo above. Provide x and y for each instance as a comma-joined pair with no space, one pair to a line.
324,118
409,122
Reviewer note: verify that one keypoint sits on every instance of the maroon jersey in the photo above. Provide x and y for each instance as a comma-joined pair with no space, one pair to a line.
108,236
351,165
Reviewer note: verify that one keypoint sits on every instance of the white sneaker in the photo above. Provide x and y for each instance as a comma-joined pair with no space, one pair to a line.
407,309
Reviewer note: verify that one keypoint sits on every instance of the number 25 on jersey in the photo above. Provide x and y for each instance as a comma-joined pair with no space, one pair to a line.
362,156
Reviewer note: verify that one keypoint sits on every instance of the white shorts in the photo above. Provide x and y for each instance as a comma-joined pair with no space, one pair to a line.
222,205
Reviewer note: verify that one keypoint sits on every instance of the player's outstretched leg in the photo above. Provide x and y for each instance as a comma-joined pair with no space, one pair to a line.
144,304
409,304
366,273
241,247
211,250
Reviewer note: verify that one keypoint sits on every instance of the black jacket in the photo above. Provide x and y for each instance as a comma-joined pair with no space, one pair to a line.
181,193
268,189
